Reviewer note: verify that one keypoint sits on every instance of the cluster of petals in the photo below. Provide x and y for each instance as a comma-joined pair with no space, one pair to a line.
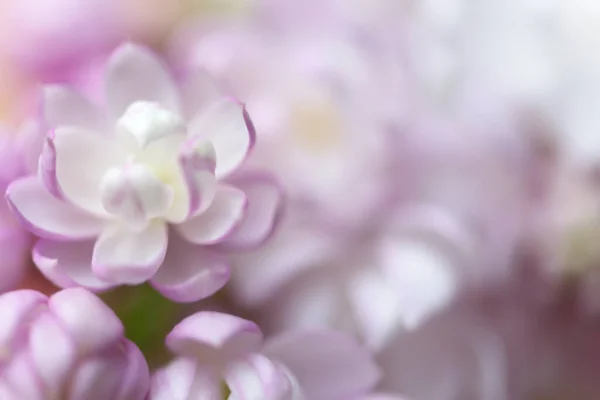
216,352
68,346
148,187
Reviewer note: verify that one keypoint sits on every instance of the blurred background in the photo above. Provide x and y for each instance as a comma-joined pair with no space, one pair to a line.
441,160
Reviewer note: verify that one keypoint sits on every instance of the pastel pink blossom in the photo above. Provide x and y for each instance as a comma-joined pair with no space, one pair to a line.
54,36
69,346
214,349
530,338
146,187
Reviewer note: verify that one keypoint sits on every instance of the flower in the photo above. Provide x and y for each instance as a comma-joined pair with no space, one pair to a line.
522,340
213,348
149,181
69,346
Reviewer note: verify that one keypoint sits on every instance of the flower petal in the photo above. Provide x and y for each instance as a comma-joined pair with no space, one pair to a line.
327,365
68,264
82,158
184,379
219,220
198,185
124,256
258,378
48,216
46,167
198,92
214,338
15,308
135,74
190,272
90,323
227,126
135,195
65,107
52,363
135,380
265,205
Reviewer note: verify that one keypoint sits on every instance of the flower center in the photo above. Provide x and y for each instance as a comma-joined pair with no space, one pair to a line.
316,124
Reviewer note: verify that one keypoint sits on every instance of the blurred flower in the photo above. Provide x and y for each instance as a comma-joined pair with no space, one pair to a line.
213,348
112,182
303,88
54,35
524,340
68,346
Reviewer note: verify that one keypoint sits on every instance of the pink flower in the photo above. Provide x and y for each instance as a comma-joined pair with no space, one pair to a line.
69,346
519,341
215,349
148,181
56,35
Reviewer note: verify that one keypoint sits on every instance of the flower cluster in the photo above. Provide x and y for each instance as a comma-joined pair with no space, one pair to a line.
339,200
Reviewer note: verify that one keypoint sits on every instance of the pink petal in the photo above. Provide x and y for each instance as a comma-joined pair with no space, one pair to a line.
124,256
257,378
219,220
65,107
184,379
82,159
52,362
135,381
21,379
265,205
90,323
99,377
296,247
16,307
381,396
227,126
190,272
48,216
135,74
214,338
327,365
68,264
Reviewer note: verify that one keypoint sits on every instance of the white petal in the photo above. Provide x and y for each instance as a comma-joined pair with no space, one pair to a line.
135,195
214,338
190,272
258,378
68,264
195,183
148,122
184,379
123,256
219,220
82,159
65,107
228,127
48,216
198,92
135,74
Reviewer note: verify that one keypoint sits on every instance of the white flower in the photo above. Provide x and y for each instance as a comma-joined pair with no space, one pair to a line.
111,182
